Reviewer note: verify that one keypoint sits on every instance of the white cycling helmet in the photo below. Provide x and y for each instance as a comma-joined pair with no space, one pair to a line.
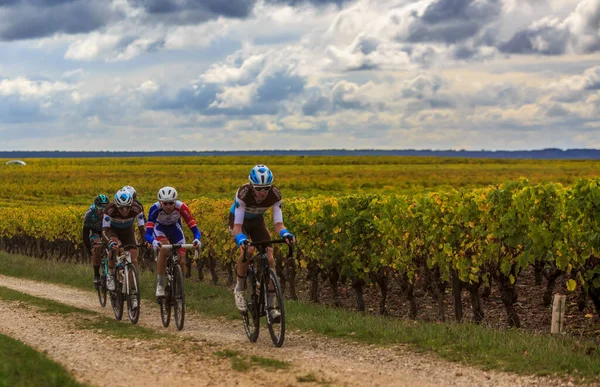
123,198
167,194
131,190
261,175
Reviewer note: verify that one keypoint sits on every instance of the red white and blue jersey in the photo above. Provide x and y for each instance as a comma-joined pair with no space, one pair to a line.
158,218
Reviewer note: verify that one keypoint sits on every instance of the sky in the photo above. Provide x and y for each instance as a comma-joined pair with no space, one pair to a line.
143,75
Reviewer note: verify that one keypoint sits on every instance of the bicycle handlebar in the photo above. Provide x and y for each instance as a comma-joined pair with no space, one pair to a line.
179,246
266,244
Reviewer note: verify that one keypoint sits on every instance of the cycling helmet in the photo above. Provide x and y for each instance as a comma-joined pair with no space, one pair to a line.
131,190
123,198
101,201
261,175
167,194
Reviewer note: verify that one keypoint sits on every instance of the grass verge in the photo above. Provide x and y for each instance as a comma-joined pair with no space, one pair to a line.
506,350
23,366
243,363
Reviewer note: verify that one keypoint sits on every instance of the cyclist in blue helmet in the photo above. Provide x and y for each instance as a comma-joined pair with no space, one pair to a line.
246,221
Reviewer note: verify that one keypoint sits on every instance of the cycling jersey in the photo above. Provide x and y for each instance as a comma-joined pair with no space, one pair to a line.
245,205
162,223
92,225
92,220
114,219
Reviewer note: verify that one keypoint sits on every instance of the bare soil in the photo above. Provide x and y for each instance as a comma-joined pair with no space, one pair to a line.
98,359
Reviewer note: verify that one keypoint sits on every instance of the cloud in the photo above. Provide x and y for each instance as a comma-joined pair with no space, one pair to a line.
579,33
181,12
35,19
249,83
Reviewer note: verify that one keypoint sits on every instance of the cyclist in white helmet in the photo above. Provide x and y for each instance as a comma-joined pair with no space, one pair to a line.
164,226
135,199
246,220
117,230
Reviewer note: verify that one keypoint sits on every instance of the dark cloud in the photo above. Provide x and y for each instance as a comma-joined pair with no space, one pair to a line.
279,86
452,21
194,11
544,39
295,3
35,19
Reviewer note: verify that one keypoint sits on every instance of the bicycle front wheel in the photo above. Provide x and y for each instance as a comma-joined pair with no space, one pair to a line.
116,298
165,307
133,295
178,297
275,310
101,289
251,317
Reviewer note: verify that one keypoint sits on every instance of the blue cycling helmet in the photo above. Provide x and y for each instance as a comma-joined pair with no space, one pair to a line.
101,201
123,198
261,175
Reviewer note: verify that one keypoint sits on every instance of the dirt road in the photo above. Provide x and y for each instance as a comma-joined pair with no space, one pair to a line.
95,358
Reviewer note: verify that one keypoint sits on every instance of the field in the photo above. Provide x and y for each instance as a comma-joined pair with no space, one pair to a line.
77,181
392,235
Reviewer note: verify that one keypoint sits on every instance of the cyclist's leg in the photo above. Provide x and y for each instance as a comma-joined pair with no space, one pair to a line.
96,255
127,237
161,261
176,236
261,233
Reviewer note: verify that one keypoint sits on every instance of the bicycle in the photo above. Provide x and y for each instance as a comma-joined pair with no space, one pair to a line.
101,288
257,303
126,286
174,292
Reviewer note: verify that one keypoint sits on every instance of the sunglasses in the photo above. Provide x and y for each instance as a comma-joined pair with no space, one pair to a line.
262,188
167,203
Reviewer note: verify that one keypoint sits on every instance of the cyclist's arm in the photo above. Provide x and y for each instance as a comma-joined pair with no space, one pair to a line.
188,218
238,216
141,222
86,238
152,216
107,232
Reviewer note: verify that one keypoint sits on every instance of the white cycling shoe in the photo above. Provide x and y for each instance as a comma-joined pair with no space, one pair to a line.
110,282
160,290
274,315
240,300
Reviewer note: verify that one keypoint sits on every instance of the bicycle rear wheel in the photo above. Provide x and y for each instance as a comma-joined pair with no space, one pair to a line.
178,297
251,317
276,325
133,295
101,289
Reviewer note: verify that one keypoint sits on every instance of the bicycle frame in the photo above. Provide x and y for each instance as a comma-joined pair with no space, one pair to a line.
174,290
264,282
124,276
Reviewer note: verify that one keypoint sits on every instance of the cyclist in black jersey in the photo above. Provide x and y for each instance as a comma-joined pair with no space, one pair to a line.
92,231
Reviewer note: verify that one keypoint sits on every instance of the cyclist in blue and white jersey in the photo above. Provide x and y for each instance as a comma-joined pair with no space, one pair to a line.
246,220
117,230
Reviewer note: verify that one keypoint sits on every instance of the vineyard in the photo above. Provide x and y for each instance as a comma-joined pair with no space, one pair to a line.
471,238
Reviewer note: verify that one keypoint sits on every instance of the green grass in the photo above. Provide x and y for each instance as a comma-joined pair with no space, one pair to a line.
244,363
24,366
508,350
